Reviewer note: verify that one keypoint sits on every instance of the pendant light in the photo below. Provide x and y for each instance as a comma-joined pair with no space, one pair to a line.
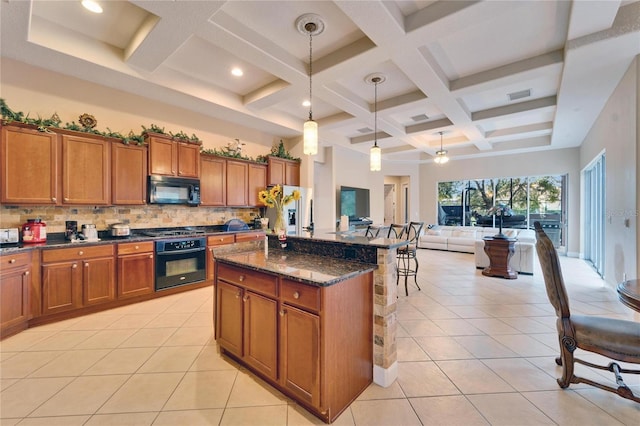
310,24
441,156
375,153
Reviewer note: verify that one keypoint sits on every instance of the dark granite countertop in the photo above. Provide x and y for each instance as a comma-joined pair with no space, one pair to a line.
307,268
350,237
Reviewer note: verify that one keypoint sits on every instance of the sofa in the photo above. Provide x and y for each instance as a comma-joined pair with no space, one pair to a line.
468,239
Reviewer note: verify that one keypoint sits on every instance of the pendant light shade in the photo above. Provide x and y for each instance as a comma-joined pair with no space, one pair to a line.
375,153
310,24
441,156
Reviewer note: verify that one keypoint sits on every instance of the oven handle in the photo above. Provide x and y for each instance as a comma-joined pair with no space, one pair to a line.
169,253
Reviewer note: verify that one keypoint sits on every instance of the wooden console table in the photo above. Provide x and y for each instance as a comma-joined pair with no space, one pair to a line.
499,251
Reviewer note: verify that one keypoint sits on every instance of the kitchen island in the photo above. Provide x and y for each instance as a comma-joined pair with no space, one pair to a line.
310,319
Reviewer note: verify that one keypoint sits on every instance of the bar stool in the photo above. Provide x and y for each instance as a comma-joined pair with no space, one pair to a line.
407,255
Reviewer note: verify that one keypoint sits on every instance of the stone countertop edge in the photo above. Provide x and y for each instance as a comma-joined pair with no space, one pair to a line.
320,271
57,241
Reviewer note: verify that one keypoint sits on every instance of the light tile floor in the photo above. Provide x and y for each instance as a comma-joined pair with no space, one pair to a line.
472,350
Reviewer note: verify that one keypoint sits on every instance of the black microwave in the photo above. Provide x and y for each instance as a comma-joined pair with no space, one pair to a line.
172,190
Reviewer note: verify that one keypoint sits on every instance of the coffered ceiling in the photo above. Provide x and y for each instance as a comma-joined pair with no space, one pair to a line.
496,77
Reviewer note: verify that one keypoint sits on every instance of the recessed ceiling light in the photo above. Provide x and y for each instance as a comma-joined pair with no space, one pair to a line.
306,103
237,72
92,6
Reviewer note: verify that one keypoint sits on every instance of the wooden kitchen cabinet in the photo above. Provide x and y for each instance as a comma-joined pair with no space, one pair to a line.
77,277
237,183
129,174
168,157
249,236
257,182
86,170
247,299
15,282
136,269
30,166
214,241
282,171
213,181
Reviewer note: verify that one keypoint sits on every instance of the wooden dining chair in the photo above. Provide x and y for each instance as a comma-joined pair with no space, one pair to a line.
612,338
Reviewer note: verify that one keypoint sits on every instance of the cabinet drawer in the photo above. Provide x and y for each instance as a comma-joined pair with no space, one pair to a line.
305,296
218,240
250,236
76,253
134,248
15,260
256,281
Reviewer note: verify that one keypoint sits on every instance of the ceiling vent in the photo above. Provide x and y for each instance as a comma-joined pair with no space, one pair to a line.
519,95
421,117
365,130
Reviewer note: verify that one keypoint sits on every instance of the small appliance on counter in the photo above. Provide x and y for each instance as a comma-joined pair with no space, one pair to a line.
235,225
89,232
71,230
34,231
9,236
119,230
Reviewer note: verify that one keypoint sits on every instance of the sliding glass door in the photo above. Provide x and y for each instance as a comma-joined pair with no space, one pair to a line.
594,214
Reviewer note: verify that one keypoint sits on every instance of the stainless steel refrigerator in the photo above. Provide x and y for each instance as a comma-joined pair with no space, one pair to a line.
297,215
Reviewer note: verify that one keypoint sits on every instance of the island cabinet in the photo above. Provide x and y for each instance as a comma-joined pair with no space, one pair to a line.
129,174
15,282
313,343
30,166
86,170
76,277
172,158
213,181
136,270
282,171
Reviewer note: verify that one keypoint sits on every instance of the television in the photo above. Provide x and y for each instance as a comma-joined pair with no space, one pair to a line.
354,202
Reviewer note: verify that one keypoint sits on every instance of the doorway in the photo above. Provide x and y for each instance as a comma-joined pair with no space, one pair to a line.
389,204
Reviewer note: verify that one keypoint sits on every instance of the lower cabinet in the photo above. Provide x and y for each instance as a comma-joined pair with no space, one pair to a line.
73,278
214,241
313,343
15,281
136,270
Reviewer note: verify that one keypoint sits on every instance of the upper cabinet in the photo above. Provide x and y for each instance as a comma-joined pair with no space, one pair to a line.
257,182
283,172
30,166
129,174
168,157
213,181
237,183
86,170
231,182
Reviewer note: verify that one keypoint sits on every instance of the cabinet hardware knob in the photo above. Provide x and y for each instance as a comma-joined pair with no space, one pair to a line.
173,171
80,252
150,256
54,199
12,261
245,298
26,273
86,265
137,247
296,295
66,199
237,295
282,312
241,279
74,266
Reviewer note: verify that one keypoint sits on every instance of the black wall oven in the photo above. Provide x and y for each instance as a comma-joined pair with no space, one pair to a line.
180,261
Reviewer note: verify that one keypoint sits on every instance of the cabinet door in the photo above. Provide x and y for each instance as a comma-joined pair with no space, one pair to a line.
260,333
129,174
29,166
136,275
163,156
98,281
237,183
276,171
300,353
214,241
86,165
229,317
14,298
61,287
257,183
213,181
292,173
188,160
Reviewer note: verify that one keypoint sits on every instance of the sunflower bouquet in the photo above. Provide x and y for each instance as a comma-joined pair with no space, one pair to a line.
275,198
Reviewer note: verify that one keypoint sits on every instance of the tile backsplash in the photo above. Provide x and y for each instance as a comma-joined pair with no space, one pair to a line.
148,216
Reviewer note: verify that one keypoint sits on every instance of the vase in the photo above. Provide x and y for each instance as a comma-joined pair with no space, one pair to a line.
278,226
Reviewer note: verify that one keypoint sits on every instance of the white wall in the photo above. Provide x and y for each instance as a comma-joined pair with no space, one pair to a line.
616,133
557,162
